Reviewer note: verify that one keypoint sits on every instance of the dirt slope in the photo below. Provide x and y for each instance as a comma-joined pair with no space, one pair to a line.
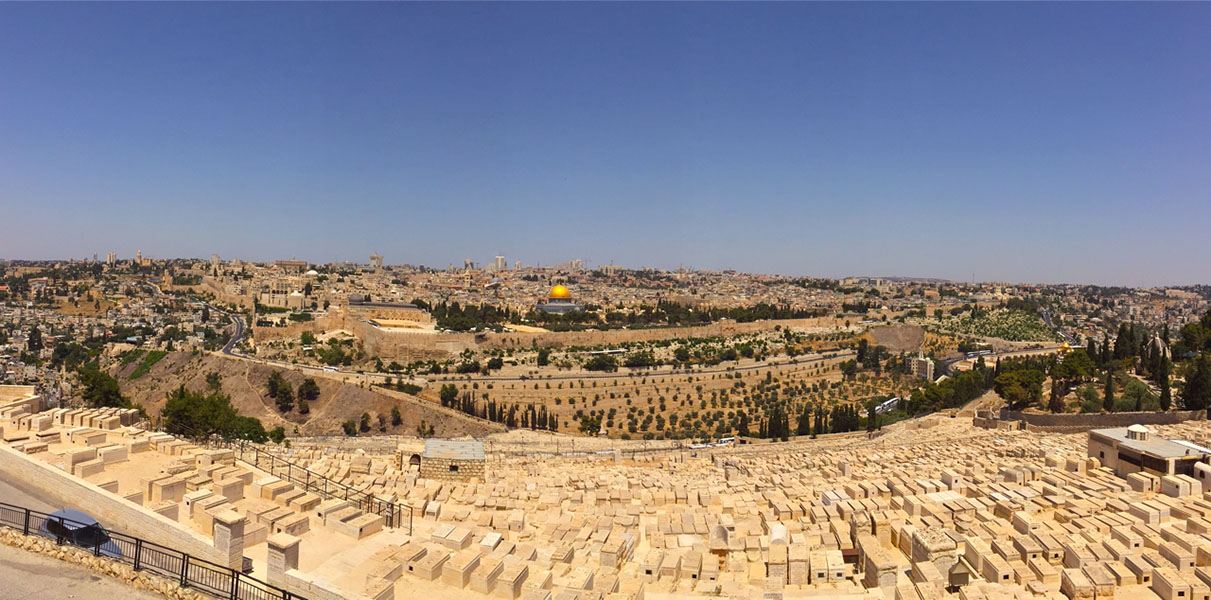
245,382
898,338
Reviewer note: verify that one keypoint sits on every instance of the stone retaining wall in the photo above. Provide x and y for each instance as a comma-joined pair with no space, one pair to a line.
1085,422
59,487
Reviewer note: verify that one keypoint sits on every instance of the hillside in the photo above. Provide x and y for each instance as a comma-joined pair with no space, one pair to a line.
898,338
245,382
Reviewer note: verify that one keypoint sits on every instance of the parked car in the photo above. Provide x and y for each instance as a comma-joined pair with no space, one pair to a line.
77,528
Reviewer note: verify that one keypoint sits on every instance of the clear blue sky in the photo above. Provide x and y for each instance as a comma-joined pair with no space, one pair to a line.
1012,141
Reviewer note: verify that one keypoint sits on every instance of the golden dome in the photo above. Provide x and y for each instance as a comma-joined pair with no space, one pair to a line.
560,292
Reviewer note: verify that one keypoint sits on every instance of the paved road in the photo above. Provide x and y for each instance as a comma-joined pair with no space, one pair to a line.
235,337
29,576
11,492
1046,314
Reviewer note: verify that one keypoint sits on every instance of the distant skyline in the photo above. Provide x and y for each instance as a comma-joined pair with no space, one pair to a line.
1024,142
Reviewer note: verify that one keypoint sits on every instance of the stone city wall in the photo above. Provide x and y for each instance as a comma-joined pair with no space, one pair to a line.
333,320
406,345
59,487
218,289
410,346
565,339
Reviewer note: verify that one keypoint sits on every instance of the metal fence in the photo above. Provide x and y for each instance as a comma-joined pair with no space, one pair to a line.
190,572
395,514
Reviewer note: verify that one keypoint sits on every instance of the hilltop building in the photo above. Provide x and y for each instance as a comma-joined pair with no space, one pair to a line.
920,366
1128,450
292,265
559,302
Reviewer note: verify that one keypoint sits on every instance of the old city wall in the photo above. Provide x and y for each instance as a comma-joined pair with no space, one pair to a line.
620,336
219,290
58,487
331,321
408,346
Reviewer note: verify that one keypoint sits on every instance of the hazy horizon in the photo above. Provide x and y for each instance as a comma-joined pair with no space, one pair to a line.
1046,143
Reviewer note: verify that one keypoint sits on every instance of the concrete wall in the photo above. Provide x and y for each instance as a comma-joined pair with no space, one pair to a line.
57,487
1082,422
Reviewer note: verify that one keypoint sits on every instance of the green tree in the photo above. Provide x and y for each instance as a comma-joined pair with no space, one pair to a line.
1137,396
1020,387
1108,392
34,341
99,389
308,338
194,414
274,383
804,426
1056,402
214,381
205,314
1162,380
448,394
350,428
309,390
285,397
544,357
601,362
1196,393
396,418
849,369
681,354
277,434
365,424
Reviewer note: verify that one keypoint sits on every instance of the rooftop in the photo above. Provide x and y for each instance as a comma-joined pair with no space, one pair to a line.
1155,446
454,449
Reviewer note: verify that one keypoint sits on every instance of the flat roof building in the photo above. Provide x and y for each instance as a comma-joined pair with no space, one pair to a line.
1128,450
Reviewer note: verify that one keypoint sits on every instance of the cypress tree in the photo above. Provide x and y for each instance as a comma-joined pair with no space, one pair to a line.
1162,379
1108,403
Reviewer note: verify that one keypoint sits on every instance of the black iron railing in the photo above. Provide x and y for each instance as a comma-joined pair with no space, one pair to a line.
394,514
189,571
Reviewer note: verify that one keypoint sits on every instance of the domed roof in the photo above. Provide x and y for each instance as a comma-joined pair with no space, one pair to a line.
560,292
